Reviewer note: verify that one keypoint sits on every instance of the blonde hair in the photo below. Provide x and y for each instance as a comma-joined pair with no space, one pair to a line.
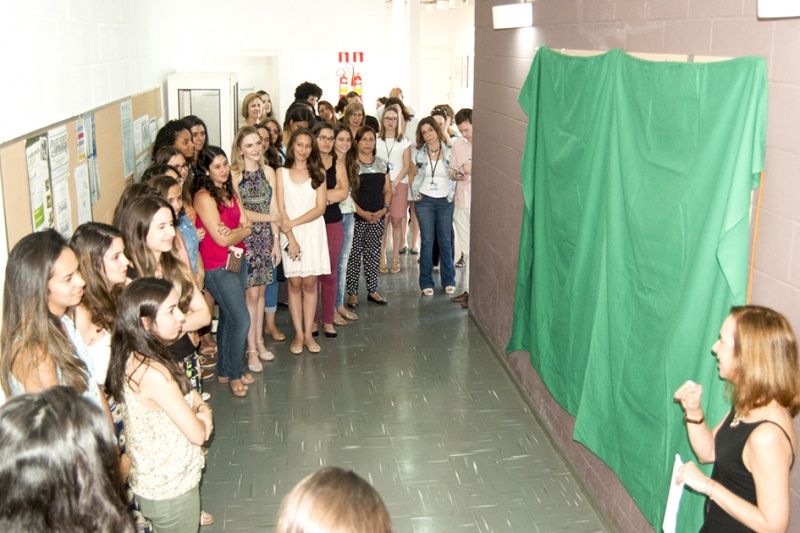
333,500
237,159
765,350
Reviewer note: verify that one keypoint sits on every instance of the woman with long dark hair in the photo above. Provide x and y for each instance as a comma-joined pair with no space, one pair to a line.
59,466
226,224
338,188
41,348
302,197
166,420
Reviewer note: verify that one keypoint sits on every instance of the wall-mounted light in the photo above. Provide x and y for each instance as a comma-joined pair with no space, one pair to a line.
512,16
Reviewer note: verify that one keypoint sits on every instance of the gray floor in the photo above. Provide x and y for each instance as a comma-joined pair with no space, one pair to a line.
411,398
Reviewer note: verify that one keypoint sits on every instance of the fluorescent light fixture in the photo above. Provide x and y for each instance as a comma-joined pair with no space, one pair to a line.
512,16
769,9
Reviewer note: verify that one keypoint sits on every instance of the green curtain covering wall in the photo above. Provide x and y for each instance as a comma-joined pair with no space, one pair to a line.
637,178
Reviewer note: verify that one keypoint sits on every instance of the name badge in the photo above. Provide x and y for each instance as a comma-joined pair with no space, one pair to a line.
391,166
433,186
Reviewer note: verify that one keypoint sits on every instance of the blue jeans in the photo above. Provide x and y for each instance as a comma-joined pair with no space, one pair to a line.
435,216
271,295
348,224
234,320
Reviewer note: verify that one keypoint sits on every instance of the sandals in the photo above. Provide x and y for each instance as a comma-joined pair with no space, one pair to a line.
264,355
349,315
395,266
338,320
256,367
247,379
383,269
239,390
206,519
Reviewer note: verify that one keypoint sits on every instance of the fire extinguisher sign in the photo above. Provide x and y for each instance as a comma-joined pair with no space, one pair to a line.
349,77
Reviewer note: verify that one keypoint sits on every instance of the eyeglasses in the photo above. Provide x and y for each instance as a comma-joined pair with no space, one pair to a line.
390,119
325,139
180,168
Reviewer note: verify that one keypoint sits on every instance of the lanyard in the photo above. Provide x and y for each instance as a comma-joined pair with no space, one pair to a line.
433,166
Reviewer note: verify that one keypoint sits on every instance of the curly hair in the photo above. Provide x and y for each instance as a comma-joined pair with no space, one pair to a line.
202,181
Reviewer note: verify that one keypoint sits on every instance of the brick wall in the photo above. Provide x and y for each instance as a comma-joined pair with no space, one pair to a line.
725,28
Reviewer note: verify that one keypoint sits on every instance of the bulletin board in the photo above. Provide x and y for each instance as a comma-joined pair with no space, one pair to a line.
108,139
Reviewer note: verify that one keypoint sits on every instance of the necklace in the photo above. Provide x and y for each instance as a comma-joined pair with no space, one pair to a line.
737,417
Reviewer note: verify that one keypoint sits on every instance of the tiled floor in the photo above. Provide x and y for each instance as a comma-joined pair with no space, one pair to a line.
411,398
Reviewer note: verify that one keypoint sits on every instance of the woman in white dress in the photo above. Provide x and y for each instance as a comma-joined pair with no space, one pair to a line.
302,197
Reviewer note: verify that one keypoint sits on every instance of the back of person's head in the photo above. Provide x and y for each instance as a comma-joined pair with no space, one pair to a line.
155,170
333,500
307,89
131,193
59,470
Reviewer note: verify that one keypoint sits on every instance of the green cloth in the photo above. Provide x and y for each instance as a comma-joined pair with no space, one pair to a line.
637,178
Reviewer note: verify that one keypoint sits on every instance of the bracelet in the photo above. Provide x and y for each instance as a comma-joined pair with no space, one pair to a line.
691,421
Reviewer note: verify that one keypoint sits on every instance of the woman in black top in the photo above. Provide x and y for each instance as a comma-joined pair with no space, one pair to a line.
372,196
336,181
754,447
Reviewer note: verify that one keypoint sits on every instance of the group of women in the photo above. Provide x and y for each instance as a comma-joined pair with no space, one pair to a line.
116,313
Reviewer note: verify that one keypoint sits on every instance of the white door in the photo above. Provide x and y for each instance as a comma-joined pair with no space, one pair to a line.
435,79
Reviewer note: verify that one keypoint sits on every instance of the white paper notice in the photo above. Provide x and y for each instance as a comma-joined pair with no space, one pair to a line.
84,193
142,163
39,183
153,129
128,147
59,174
674,499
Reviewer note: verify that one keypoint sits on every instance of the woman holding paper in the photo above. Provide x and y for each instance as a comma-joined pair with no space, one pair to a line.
754,447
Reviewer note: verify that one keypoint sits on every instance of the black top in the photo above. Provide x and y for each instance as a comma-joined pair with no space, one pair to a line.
369,195
730,472
333,213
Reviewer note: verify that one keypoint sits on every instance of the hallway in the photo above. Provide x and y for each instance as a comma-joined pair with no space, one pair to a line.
410,397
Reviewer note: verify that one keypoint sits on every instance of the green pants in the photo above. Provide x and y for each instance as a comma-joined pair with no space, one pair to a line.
175,515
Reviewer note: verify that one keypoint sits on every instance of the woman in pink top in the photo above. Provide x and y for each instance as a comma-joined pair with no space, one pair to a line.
226,225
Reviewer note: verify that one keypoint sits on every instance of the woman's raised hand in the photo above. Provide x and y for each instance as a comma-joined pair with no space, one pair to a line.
689,395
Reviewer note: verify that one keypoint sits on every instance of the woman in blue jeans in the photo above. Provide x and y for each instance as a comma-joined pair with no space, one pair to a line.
226,225
433,190
343,139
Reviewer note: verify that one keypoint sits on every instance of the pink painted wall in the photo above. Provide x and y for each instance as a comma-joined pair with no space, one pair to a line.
726,28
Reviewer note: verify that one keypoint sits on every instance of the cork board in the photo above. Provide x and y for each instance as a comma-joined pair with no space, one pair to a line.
112,181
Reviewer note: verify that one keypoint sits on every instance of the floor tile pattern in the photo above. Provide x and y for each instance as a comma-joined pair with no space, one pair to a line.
411,398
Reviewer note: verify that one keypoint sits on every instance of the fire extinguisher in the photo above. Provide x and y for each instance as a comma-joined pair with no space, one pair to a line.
357,83
343,83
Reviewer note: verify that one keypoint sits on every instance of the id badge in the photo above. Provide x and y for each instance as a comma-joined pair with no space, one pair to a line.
391,166
433,186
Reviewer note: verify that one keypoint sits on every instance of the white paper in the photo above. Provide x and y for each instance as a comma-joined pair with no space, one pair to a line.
84,193
58,151
142,162
128,147
39,183
153,129
674,499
